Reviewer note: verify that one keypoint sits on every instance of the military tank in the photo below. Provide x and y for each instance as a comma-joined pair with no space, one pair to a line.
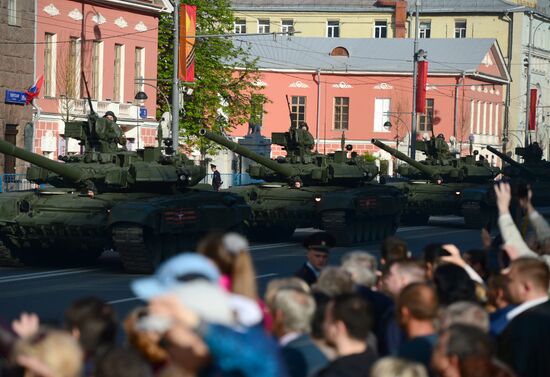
479,204
306,189
142,203
434,185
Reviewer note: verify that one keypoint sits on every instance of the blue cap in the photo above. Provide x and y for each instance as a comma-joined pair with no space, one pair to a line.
174,272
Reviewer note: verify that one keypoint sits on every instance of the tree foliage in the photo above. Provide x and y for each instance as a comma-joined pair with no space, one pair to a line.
222,96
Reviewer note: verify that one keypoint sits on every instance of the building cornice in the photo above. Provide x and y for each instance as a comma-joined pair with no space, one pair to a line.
164,6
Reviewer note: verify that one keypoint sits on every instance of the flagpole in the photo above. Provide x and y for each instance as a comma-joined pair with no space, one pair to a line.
175,80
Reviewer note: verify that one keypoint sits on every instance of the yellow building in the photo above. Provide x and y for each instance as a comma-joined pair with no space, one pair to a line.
509,22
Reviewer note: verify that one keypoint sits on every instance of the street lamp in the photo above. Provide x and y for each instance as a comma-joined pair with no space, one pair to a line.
140,97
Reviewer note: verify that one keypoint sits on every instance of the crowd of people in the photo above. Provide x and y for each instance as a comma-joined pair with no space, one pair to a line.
448,313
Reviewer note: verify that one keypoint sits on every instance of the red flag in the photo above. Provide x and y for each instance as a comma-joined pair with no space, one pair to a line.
34,90
421,81
533,110
188,21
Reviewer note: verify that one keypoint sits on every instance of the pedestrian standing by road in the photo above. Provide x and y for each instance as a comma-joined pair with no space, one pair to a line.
216,178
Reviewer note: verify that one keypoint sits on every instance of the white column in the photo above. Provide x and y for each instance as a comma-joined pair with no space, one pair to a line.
478,123
497,128
484,118
472,109
490,119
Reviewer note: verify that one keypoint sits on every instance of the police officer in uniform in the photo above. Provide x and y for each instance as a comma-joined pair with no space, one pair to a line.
318,246
216,178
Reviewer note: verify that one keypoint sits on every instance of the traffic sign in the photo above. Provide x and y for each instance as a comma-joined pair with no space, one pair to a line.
15,98
143,112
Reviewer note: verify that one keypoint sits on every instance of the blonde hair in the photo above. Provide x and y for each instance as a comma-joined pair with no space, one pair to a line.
275,285
56,350
396,367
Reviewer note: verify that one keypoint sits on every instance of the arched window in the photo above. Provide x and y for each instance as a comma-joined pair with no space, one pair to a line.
340,51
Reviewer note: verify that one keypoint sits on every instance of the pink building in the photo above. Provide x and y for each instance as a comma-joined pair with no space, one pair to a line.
114,42
360,84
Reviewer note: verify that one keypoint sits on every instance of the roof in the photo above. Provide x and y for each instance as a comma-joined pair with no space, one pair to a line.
432,6
464,6
309,5
445,56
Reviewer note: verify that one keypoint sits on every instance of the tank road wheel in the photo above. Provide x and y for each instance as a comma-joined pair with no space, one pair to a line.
139,251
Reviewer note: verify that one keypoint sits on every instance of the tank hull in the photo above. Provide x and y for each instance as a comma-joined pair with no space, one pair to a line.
60,225
352,215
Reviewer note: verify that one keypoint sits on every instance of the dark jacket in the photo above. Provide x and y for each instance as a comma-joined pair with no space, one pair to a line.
525,342
356,365
302,357
306,274
216,180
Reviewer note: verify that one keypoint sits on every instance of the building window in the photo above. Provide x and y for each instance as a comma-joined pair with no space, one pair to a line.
426,120
117,84
287,26
460,29
298,110
380,29
240,26
263,26
49,65
72,71
425,29
382,108
10,134
139,69
96,70
13,19
333,29
341,113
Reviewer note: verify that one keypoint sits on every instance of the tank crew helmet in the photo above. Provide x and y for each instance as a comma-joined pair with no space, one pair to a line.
110,113
320,241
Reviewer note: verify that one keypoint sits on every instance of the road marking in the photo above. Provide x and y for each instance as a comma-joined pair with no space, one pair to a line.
46,274
266,276
123,300
272,245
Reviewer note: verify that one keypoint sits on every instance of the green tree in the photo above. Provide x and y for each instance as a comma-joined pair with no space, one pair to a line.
222,96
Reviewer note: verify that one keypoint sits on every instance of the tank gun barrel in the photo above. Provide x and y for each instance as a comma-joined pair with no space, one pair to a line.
64,170
511,161
394,152
245,152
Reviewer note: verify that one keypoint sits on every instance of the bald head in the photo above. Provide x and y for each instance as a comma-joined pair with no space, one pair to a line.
419,300
528,279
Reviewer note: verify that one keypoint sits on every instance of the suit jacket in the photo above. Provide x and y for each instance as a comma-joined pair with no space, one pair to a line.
525,342
302,357
306,274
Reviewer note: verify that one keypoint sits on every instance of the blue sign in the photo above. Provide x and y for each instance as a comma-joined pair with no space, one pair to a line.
15,98
143,112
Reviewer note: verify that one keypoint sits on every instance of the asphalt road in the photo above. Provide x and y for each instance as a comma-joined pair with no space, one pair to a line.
48,291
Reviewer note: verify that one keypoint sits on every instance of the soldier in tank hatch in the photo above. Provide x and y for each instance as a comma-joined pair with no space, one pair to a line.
318,246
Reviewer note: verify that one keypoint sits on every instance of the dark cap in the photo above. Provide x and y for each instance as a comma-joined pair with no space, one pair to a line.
320,241
212,165
111,114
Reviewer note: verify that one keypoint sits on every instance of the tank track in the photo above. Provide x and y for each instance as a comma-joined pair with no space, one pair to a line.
7,258
129,242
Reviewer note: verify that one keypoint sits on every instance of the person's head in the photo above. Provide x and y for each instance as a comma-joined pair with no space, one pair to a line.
396,367
528,278
459,348
431,255
230,254
401,273
145,342
464,313
50,353
110,115
348,317
292,311
213,167
453,284
362,266
275,285
498,294
93,322
334,281
318,246
393,248
417,302
477,259
318,320
122,362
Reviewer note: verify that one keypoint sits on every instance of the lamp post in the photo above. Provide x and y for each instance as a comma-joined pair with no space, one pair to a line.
140,97
415,74
388,126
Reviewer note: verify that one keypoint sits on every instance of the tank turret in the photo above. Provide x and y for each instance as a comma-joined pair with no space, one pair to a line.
513,164
533,167
301,165
440,165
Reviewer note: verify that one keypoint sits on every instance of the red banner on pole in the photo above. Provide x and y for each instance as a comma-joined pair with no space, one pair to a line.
421,82
533,110
188,22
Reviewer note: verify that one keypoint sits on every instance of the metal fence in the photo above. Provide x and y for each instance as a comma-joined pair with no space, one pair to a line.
15,182
232,179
